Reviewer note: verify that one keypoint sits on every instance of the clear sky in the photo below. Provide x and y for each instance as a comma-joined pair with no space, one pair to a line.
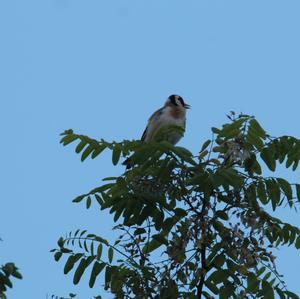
102,67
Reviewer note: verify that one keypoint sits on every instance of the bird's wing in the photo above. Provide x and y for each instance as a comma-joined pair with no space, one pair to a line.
153,125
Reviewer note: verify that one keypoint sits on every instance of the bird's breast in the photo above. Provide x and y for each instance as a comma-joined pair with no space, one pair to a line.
169,120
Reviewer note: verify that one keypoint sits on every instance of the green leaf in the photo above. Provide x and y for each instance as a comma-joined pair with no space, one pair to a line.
286,188
205,145
139,231
68,139
65,250
67,132
110,178
219,260
99,239
82,233
268,157
169,223
60,242
252,283
85,246
151,246
261,271
99,251
116,154
84,263
87,152
88,202
218,276
97,268
99,200
291,295
146,212
236,267
273,192
295,165
215,130
293,154
108,274
7,282
222,214
267,276
57,256
184,154
254,139
267,290
292,237
203,154
17,275
262,193
71,262
251,165
110,254
298,191
212,287
9,268
297,244
80,146
180,212
160,238
3,296
251,193
233,129
256,127
78,198
227,291
280,293
99,149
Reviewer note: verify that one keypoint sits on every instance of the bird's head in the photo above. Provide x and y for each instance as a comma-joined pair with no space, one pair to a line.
177,101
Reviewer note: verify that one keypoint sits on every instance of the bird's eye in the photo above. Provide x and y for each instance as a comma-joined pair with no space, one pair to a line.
181,101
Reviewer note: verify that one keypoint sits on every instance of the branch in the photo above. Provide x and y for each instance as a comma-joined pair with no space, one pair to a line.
203,250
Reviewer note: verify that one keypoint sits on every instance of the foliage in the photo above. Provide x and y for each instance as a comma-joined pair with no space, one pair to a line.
71,295
7,271
190,226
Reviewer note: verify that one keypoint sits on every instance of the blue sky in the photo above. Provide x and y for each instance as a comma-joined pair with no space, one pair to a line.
101,68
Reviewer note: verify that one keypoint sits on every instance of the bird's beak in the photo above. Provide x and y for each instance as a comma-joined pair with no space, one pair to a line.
187,106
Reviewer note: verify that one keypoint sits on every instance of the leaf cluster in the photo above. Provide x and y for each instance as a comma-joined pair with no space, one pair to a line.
191,226
7,272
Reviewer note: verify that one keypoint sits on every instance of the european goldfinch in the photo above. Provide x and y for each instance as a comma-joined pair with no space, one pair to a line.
172,114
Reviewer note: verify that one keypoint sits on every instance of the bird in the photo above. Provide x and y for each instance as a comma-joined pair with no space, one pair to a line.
171,115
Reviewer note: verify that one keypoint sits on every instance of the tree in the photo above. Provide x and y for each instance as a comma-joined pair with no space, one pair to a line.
7,271
191,226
